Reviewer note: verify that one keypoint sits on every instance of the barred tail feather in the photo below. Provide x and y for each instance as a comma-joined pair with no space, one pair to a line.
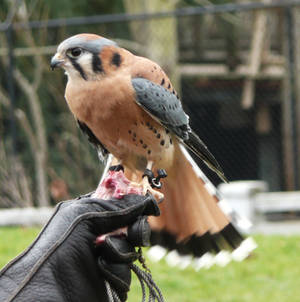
192,220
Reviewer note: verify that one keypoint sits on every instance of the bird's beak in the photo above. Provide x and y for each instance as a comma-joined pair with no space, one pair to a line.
56,61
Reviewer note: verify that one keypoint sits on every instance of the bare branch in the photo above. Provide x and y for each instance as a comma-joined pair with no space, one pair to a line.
21,117
38,62
40,152
37,133
15,187
34,106
11,14
4,99
27,129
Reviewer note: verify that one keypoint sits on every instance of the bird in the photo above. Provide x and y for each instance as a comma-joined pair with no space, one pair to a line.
128,107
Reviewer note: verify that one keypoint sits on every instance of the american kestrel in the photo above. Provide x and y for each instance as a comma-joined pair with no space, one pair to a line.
129,108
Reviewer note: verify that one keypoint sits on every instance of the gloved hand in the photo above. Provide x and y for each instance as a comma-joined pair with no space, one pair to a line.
64,263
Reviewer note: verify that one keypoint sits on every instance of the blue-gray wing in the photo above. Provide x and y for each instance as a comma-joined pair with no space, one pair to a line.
166,108
162,105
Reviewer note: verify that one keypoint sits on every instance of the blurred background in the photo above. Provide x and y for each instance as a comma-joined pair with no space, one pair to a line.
234,63
236,66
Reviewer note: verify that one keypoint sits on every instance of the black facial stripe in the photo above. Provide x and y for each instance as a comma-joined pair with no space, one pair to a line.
97,64
79,68
116,59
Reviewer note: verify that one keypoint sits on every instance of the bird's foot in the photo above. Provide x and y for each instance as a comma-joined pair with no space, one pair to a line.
150,182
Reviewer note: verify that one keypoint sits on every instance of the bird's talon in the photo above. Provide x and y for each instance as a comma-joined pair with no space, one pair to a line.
116,168
147,189
157,195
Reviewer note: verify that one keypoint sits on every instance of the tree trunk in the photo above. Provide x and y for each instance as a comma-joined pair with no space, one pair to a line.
158,35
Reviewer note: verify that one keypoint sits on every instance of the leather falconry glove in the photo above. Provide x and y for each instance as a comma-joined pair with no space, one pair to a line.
64,263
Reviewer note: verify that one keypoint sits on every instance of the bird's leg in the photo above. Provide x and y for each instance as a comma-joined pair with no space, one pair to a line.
150,182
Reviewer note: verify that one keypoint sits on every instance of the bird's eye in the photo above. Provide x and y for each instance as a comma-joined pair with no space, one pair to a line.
75,52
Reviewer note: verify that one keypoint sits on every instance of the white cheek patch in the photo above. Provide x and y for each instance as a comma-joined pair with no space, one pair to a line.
85,62
71,72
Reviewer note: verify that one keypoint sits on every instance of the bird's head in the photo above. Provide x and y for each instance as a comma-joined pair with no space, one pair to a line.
82,56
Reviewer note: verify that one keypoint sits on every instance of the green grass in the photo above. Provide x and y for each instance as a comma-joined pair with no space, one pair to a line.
14,240
270,274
